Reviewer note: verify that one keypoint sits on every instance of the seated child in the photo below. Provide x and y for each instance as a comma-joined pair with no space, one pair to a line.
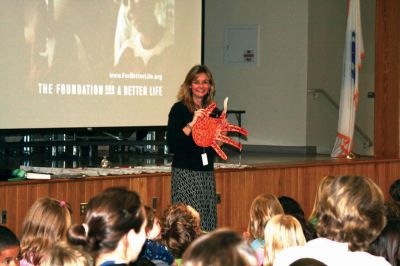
153,228
46,223
65,255
281,232
10,253
387,244
181,226
262,209
220,248
153,250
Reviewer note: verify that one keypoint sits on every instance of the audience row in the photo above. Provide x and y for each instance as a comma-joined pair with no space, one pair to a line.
350,224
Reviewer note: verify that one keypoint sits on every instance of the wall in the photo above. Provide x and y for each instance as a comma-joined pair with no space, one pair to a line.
301,48
274,92
326,45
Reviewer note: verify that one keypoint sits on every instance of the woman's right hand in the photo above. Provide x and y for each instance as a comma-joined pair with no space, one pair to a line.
188,127
197,114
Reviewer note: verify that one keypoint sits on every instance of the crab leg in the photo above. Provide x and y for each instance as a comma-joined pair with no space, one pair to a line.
234,128
229,141
210,108
219,151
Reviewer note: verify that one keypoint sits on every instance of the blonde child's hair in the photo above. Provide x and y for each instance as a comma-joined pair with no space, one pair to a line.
262,209
281,232
64,255
46,223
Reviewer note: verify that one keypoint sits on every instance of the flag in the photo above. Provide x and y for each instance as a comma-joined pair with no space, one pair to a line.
352,57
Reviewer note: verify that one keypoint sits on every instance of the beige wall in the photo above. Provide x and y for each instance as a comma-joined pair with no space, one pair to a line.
276,87
326,44
301,47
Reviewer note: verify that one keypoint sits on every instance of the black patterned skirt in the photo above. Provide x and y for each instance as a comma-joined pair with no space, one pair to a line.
197,189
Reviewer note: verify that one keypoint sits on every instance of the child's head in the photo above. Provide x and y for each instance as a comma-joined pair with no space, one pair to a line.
351,210
281,232
9,247
325,181
46,223
392,209
263,208
307,262
114,218
292,207
394,190
387,244
196,216
63,255
180,227
219,248
153,228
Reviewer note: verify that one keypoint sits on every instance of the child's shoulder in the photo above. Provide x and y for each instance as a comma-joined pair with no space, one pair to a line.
154,250
257,243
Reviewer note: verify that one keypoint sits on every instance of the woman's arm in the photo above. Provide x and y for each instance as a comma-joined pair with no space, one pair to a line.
178,133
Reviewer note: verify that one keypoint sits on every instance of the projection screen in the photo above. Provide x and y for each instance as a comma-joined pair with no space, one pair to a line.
94,63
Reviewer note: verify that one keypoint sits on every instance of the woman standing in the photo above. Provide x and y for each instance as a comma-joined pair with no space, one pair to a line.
193,181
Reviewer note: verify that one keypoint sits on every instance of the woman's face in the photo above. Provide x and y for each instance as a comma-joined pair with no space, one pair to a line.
200,85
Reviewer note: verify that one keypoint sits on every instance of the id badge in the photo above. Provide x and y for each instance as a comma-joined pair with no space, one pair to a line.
204,159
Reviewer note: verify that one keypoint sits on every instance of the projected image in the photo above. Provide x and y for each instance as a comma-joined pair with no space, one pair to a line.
60,58
145,30
56,50
67,42
61,50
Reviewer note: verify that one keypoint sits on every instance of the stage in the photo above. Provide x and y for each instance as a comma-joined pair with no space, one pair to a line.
147,158
247,175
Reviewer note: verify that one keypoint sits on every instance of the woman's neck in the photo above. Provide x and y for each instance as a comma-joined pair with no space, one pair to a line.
198,102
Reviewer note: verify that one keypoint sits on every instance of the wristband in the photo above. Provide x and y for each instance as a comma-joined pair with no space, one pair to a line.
189,126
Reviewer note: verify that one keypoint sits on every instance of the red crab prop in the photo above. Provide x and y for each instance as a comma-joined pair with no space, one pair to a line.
207,131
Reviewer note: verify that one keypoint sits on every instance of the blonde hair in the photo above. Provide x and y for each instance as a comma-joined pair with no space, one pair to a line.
64,255
351,210
262,209
219,248
185,91
321,185
46,223
281,232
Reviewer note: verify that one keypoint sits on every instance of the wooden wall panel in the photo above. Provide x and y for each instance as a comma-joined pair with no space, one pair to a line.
386,174
237,188
387,79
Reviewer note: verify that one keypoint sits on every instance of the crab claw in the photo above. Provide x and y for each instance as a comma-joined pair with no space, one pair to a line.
209,131
223,114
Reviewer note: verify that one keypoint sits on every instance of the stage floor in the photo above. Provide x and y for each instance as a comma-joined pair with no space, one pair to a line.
149,159
262,158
